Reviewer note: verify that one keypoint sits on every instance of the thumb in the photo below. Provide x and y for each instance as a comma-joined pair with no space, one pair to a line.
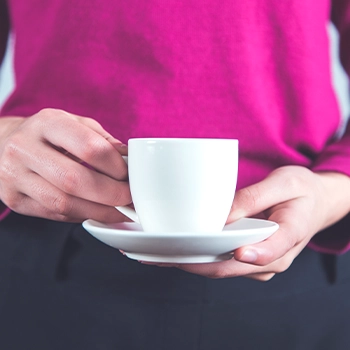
280,186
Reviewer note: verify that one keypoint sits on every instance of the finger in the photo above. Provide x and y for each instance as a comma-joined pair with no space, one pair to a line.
96,126
89,122
262,277
218,270
93,124
28,206
281,185
121,148
91,145
59,205
285,240
76,179
234,268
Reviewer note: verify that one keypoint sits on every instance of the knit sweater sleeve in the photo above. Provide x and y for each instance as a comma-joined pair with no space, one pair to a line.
336,156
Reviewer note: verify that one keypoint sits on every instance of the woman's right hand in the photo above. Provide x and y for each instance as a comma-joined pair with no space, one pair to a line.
43,168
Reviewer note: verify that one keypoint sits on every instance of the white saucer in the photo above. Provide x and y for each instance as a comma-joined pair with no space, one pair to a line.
180,247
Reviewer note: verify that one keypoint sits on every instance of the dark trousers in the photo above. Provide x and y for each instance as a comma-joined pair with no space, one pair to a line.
62,289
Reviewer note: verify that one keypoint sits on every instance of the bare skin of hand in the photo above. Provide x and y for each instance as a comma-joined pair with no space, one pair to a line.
300,201
62,167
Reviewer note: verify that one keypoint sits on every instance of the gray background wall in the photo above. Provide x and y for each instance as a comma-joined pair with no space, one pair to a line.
6,74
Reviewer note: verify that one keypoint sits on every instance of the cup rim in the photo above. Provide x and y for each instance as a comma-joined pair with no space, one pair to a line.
180,139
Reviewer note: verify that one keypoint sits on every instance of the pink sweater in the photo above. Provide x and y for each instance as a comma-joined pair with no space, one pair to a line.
257,71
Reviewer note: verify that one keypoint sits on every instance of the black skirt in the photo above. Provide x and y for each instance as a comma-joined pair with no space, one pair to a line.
60,288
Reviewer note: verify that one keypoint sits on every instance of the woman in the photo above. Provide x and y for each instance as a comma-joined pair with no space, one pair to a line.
89,76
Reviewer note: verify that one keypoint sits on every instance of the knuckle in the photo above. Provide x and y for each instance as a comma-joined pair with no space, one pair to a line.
50,112
11,200
12,148
95,147
45,111
92,122
69,179
294,179
47,118
62,205
293,184
43,116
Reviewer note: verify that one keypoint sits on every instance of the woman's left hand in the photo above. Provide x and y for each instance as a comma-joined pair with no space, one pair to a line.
300,201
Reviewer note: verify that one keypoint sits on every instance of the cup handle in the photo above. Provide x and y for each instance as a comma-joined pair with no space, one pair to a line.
127,211
130,213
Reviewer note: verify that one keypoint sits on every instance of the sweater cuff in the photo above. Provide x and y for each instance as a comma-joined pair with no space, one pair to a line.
334,239
335,157
4,211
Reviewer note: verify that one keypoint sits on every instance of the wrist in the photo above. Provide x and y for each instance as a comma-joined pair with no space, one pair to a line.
336,188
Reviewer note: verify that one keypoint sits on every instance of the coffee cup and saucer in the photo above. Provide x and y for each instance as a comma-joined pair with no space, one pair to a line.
182,191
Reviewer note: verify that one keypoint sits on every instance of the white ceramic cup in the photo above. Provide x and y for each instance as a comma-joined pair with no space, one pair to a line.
181,185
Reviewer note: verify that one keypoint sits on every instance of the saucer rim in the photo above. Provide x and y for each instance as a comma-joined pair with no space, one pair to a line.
108,230
181,247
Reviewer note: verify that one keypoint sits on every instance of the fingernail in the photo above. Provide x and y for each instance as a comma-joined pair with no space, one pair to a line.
121,148
249,256
121,145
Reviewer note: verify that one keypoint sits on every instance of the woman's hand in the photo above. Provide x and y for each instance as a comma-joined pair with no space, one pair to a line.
300,201
42,171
